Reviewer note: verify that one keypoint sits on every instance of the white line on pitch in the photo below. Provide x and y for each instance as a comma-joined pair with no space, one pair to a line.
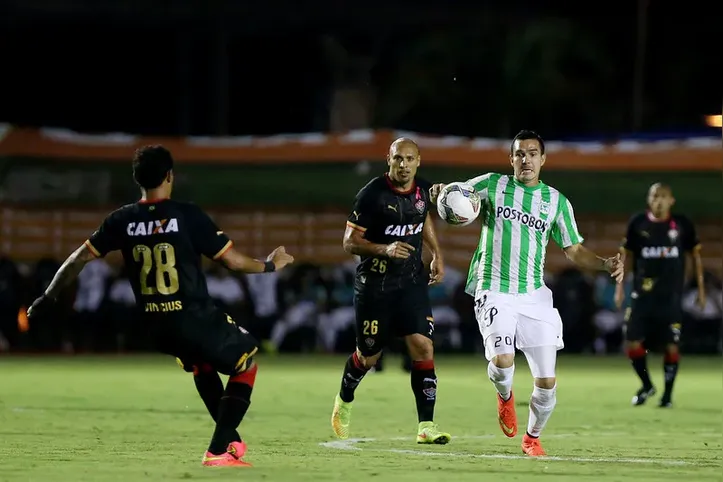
351,444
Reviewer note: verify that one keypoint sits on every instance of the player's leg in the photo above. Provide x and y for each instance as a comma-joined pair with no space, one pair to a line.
497,321
208,383
542,361
232,355
635,333
413,321
371,336
670,363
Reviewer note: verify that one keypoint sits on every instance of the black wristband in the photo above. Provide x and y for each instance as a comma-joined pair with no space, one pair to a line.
269,267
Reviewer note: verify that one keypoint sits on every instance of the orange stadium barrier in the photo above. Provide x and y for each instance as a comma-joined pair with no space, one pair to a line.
30,233
695,154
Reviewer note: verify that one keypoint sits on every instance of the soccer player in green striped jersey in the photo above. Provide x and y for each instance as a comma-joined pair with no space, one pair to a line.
513,306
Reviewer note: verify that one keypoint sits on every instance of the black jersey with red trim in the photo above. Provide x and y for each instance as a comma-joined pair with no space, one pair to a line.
385,215
658,248
162,243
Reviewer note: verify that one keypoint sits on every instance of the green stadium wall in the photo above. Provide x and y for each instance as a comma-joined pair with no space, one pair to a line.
326,185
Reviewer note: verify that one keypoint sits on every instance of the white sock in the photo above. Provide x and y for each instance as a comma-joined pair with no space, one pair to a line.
502,379
542,403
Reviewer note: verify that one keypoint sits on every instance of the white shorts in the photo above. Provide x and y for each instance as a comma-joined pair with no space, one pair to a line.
524,321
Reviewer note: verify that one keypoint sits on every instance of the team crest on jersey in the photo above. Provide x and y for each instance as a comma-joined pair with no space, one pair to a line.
673,234
544,207
420,205
147,228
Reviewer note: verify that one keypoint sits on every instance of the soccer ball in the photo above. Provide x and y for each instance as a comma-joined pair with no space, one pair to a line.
458,204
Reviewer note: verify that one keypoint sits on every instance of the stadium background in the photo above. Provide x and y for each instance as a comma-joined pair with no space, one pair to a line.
277,113
277,120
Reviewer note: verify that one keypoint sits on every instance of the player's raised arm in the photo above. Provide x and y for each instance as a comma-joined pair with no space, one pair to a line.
567,236
237,261
436,267
479,183
214,244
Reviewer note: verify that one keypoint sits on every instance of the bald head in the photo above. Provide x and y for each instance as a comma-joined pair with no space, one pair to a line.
660,200
404,142
660,187
403,160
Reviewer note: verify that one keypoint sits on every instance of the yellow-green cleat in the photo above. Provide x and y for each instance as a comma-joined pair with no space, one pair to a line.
340,417
428,433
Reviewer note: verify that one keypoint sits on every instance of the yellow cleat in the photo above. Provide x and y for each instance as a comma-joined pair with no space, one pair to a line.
428,433
340,418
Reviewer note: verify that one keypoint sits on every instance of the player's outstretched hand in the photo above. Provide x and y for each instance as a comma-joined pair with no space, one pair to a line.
399,250
434,192
616,267
436,271
40,307
280,257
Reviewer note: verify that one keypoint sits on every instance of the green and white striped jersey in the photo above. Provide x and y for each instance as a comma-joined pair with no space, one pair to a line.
517,222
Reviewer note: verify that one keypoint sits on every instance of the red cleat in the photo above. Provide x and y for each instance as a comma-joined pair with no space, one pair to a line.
532,447
507,415
232,457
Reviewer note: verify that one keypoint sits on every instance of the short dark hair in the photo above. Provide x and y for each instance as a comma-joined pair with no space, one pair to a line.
526,134
151,165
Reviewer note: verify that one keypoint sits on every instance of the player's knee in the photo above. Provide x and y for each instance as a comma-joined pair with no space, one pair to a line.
504,360
547,383
635,350
420,347
368,361
671,349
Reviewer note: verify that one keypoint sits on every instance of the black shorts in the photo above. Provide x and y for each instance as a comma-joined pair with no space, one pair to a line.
209,337
381,316
653,323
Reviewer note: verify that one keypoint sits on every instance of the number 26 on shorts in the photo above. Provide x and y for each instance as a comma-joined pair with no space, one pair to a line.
370,327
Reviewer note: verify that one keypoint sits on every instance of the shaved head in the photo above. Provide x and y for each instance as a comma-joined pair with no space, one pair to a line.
659,186
660,200
402,142
403,160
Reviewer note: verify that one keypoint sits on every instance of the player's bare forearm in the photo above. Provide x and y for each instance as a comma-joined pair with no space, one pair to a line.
584,258
698,262
69,271
237,261
429,235
355,243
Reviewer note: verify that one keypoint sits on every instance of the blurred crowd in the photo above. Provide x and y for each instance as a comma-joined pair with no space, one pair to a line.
309,309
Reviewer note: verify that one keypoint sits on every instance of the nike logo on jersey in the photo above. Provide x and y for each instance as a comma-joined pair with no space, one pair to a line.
512,214
403,229
147,228
658,252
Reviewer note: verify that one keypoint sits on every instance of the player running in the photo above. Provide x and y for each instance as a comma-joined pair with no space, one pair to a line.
513,306
162,242
387,227
657,242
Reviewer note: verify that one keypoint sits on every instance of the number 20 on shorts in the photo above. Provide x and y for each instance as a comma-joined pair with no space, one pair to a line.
499,340
370,327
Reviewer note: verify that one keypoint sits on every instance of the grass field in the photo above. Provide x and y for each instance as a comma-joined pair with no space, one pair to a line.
139,418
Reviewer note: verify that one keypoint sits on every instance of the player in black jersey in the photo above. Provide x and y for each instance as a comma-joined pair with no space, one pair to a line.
387,227
162,242
657,242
